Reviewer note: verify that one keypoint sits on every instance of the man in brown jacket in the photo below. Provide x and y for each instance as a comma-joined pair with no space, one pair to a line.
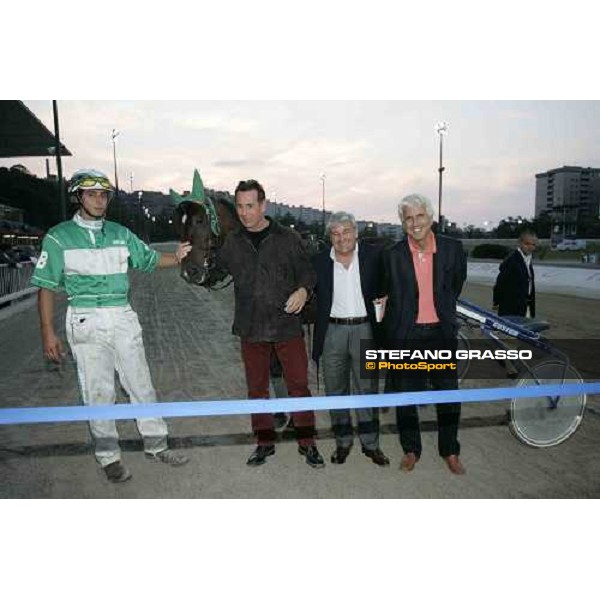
272,278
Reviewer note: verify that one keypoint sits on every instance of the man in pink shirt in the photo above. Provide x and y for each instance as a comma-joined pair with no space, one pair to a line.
425,273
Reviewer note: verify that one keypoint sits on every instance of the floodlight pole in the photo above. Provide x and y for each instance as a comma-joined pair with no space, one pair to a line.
62,200
323,196
115,133
441,129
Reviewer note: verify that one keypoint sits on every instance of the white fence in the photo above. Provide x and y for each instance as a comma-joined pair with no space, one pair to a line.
569,281
14,281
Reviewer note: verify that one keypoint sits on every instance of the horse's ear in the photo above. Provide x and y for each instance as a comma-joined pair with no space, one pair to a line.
198,188
176,197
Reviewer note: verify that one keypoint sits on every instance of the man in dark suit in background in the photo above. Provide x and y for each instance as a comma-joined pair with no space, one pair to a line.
514,291
425,273
348,281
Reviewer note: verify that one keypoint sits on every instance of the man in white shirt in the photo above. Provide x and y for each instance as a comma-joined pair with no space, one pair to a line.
349,276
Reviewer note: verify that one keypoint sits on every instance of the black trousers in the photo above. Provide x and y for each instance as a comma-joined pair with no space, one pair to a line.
407,417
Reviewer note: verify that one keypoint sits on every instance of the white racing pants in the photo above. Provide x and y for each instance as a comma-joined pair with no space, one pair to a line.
104,340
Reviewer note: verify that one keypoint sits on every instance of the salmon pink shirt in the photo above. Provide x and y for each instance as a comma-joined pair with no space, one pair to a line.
423,263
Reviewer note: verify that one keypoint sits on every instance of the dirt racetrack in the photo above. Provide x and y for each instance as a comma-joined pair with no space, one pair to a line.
55,460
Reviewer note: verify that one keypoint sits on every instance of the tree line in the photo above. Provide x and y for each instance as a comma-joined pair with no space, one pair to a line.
39,200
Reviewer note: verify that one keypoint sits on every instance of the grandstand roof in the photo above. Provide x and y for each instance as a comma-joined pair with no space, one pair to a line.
23,134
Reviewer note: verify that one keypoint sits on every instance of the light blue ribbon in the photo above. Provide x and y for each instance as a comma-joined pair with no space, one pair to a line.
209,408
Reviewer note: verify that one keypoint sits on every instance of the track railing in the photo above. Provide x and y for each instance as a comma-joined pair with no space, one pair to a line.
14,280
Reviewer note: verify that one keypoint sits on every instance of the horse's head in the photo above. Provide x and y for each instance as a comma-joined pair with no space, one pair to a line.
204,223
192,223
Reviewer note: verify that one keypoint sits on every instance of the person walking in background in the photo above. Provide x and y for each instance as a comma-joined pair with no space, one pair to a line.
514,290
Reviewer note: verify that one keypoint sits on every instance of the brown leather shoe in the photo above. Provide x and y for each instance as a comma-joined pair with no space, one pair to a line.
408,462
454,464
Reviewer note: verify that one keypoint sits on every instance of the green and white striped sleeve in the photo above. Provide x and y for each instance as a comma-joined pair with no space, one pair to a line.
141,256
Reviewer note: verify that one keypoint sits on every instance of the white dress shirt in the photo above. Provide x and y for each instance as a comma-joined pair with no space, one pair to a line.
348,300
527,259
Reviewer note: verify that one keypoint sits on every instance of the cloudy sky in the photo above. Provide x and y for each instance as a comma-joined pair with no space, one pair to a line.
372,152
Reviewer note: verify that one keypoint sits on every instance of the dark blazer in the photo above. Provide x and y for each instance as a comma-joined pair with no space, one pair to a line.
371,281
449,275
512,287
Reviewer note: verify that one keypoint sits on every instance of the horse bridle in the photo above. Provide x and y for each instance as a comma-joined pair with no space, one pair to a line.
215,241
215,275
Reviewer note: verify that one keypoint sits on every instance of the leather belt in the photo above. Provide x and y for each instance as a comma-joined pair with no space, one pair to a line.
428,325
348,320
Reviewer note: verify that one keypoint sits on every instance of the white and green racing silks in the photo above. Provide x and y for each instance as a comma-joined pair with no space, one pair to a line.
91,266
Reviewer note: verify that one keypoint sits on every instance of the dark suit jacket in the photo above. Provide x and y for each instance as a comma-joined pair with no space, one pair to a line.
512,287
449,275
371,281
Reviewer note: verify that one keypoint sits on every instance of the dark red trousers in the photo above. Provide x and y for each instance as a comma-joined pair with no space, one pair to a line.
293,359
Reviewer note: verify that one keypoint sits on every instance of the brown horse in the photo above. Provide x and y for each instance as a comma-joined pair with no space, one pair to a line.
205,225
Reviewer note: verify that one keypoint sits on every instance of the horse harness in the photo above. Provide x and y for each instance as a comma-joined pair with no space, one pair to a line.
215,241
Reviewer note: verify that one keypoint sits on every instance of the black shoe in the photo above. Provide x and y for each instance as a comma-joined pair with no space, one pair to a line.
259,456
313,458
117,472
377,456
340,455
